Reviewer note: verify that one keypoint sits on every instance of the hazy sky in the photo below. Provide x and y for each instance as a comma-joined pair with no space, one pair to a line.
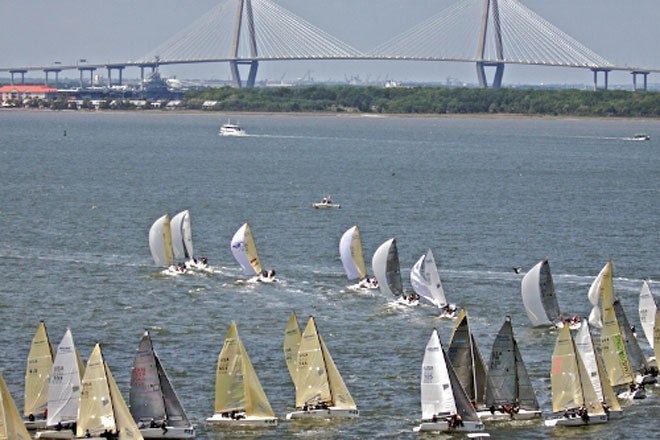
38,32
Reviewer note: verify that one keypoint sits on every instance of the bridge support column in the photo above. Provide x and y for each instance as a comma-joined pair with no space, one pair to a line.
57,75
497,78
644,75
22,72
236,74
605,78
143,66
110,69
91,71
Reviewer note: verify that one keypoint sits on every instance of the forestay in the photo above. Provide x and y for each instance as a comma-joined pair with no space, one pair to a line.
385,264
538,295
425,280
350,252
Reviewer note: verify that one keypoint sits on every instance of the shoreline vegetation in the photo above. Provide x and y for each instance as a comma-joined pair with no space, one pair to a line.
395,101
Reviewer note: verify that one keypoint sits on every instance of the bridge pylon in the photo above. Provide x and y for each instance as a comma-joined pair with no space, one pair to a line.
490,8
244,9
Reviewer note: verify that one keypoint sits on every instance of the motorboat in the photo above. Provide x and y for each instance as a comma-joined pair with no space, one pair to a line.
231,129
641,137
325,203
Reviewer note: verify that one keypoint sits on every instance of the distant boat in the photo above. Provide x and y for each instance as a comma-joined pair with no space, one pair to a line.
152,399
37,373
352,259
574,400
445,406
12,426
320,389
387,270
239,398
647,311
539,297
326,203
230,129
641,137
425,281
244,250
102,407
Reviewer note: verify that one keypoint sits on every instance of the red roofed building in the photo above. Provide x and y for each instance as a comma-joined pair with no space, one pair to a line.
20,92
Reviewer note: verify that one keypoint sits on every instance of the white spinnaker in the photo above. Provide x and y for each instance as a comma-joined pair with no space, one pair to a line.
531,295
182,235
160,241
350,252
425,280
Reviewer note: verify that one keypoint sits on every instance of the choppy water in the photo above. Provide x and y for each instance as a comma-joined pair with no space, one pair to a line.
484,194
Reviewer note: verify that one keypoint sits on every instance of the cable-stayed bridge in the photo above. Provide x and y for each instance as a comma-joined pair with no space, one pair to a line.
488,33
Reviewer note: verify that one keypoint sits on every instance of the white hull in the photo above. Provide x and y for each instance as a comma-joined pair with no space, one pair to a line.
37,424
326,205
63,434
249,421
443,426
406,302
172,433
328,413
576,421
499,416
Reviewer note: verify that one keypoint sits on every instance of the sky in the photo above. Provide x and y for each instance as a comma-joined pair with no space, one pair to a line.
38,32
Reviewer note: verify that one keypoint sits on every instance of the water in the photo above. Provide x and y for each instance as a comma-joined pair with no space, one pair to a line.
484,194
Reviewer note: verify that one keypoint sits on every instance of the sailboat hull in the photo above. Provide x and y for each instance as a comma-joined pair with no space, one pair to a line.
34,425
246,422
55,435
443,426
499,416
577,421
325,413
172,432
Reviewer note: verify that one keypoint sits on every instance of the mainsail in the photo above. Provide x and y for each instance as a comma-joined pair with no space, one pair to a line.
237,387
245,251
385,264
37,372
11,424
538,295
350,252
466,360
508,381
160,242
317,378
647,311
151,396
425,280
612,346
635,355
182,235
64,383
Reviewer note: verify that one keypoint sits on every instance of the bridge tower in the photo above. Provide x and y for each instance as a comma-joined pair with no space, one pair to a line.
244,5
497,35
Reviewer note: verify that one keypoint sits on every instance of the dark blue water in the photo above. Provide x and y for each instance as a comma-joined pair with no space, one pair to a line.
483,194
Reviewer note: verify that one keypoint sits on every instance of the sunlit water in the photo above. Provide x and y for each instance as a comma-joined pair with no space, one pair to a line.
484,194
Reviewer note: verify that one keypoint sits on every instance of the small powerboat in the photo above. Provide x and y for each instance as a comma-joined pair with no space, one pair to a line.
325,203
230,129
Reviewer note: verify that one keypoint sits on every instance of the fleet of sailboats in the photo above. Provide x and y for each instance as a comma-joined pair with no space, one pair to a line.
153,402
320,389
37,373
239,398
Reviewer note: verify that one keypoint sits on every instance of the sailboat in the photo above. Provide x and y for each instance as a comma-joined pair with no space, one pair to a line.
539,298
574,400
320,389
11,424
647,311
102,408
467,361
350,252
386,267
445,406
637,359
153,402
37,372
239,398
160,243
182,244
425,281
593,364
245,252
509,391
292,338
64,391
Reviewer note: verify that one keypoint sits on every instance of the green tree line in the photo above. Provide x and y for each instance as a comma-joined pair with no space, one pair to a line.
428,100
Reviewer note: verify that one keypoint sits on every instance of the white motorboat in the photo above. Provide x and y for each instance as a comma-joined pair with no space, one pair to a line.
641,137
326,203
230,129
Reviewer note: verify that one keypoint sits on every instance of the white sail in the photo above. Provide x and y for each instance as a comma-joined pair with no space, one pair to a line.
350,252
385,264
245,251
160,242
647,311
596,291
182,235
11,424
124,423
292,338
64,383
425,280
37,372
436,389
585,348
538,295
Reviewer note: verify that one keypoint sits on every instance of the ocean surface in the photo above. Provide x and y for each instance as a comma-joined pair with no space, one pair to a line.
80,190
